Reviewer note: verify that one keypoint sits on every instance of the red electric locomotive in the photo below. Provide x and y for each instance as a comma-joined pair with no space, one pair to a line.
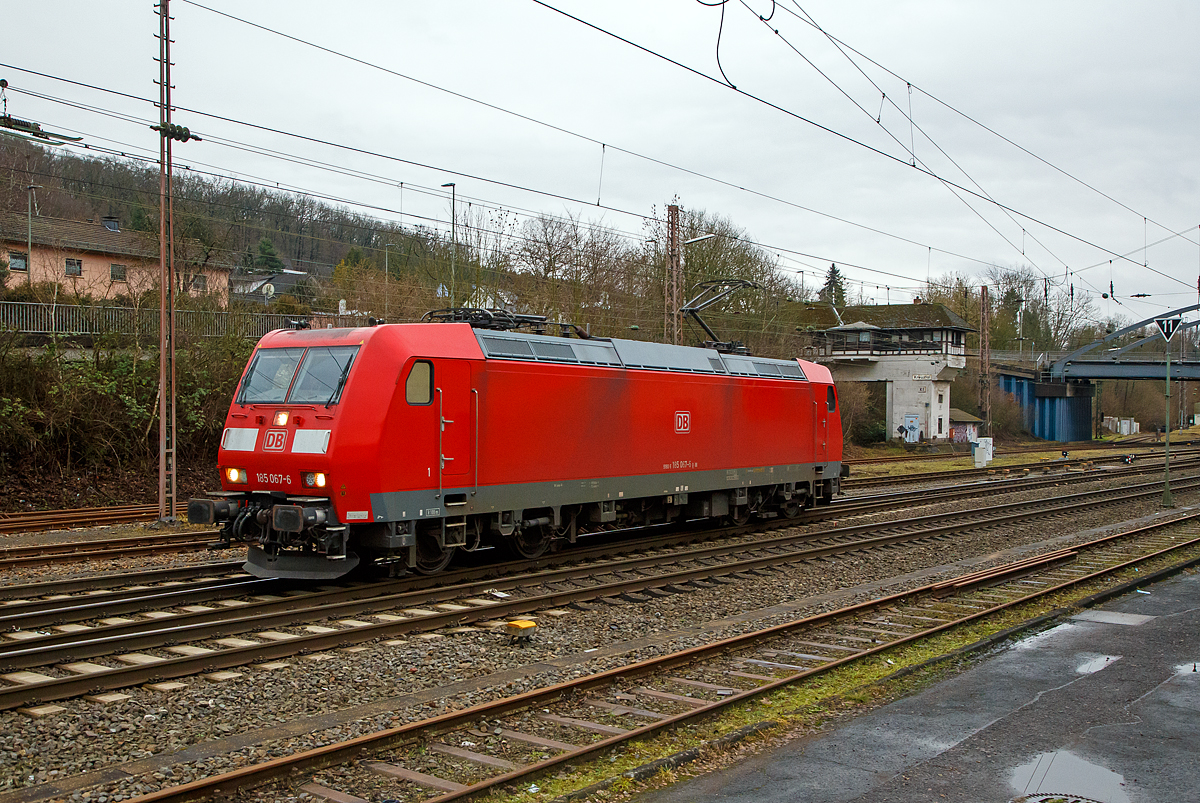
410,441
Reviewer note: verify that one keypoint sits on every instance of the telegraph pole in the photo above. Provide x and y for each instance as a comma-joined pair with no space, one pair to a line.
167,491
166,282
985,359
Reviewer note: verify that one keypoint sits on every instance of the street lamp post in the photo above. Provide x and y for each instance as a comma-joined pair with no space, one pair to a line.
29,235
453,238
386,246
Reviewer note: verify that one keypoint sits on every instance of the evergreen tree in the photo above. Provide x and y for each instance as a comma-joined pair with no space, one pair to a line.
267,260
834,291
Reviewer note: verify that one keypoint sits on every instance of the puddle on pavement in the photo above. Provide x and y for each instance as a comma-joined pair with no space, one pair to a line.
1065,773
1037,640
1096,663
1188,668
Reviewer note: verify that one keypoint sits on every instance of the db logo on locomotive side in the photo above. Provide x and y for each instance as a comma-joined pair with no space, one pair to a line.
683,421
274,440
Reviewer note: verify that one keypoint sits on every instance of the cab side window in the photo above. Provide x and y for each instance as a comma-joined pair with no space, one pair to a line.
418,388
830,399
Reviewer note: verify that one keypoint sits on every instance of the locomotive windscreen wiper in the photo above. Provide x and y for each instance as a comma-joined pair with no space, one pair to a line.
341,381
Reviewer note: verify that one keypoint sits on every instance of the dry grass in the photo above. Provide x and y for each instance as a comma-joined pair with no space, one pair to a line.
809,706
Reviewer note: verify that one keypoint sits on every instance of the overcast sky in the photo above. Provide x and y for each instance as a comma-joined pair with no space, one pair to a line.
1095,99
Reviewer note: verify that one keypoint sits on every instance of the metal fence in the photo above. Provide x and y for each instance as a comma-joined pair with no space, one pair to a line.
72,320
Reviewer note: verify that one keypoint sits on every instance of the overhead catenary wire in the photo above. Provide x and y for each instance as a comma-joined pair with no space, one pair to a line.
964,115
911,148
722,4
266,151
827,129
511,185
527,118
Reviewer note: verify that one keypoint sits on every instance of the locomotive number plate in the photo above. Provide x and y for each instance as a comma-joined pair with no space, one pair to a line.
274,440
275,479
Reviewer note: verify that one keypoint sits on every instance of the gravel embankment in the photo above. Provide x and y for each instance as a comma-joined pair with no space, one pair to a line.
171,738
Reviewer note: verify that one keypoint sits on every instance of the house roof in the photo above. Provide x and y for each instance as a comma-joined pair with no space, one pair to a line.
76,236
957,416
820,316
283,282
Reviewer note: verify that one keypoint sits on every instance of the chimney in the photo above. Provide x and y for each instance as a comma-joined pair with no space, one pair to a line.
110,222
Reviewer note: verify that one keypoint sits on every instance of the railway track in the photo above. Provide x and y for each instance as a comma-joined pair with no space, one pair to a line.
34,521
59,602
183,641
1063,468
105,549
151,544
519,738
1048,447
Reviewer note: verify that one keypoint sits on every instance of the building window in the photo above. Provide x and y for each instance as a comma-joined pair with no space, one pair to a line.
18,260
116,273
74,267
200,283
941,398
939,426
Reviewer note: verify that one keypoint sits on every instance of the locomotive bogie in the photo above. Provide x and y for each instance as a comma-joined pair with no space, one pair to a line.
410,442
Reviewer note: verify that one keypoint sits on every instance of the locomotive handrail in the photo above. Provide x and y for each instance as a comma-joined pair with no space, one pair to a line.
441,430
475,399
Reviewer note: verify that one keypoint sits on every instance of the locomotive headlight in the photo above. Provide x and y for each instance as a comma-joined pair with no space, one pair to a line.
314,479
237,476
281,418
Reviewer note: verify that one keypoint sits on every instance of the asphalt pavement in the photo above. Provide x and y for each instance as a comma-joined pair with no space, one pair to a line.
1102,707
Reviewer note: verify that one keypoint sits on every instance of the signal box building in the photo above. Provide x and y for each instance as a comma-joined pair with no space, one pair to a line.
916,349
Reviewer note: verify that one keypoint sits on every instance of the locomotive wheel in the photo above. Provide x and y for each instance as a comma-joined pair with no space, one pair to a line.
529,543
432,558
791,508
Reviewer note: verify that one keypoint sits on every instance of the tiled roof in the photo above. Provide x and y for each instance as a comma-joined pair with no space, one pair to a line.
76,236
820,316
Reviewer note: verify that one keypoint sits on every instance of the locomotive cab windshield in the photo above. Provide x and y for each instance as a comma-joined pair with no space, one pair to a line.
315,375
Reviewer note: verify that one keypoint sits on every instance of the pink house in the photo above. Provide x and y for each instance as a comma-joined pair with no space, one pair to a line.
96,259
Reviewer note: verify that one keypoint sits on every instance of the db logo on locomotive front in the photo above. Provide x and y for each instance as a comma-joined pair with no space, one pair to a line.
683,421
274,440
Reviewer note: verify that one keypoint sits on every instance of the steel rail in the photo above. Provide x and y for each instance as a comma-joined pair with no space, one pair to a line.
61,688
39,613
81,517
79,551
62,647
29,521
996,472
71,610
226,783
93,582
1072,446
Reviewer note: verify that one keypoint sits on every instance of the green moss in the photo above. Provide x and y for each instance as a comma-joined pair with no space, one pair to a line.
809,705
